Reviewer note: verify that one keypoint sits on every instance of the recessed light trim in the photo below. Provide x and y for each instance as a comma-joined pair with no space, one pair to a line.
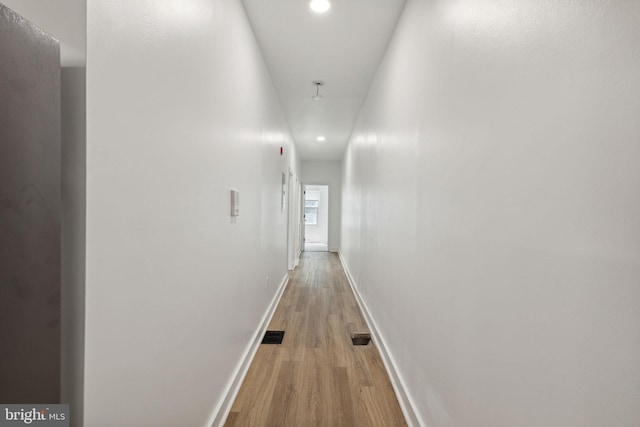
320,138
319,6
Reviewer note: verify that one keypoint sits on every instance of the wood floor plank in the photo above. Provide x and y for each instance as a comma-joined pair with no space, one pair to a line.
231,419
294,337
316,377
286,398
359,368
253,410
343,415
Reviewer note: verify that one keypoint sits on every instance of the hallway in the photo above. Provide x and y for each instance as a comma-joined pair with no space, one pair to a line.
317,377
483,163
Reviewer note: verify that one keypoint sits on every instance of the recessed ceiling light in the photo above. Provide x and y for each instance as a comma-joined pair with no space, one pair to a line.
320,6
320,138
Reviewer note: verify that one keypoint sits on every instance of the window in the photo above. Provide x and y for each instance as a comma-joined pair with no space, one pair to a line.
311,201
311,212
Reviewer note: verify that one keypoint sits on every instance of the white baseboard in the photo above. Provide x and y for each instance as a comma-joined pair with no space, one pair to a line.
222,411
404,399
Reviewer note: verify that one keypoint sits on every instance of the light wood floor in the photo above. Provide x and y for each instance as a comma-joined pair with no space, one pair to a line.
316,377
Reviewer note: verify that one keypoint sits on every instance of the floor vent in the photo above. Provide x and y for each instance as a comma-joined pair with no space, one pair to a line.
273,337
360,339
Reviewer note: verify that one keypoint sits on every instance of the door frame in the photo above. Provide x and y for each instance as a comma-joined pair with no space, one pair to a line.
293,220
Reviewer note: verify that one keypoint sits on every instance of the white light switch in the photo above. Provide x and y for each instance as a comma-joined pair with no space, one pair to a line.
235,203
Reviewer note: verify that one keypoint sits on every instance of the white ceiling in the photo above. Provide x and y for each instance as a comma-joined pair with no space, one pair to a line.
343,47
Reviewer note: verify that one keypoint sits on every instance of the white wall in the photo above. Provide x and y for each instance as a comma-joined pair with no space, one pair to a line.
327,173
73,111
319,232
180,109
491,217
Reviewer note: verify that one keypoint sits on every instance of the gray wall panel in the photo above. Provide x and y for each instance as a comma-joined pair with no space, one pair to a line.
29,212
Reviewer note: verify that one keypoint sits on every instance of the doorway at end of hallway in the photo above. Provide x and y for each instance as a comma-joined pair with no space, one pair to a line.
316,218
